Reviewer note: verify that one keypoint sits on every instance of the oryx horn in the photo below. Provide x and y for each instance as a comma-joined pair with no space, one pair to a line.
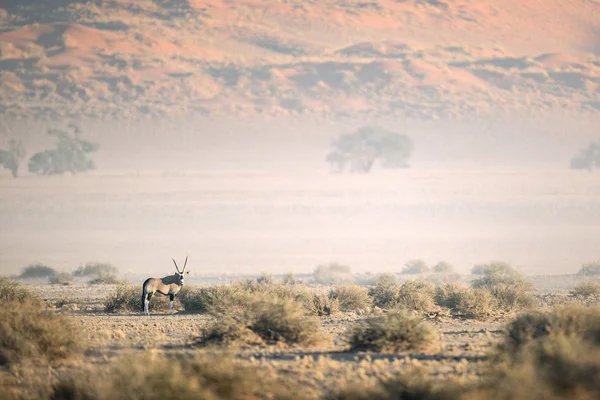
184,264
176,267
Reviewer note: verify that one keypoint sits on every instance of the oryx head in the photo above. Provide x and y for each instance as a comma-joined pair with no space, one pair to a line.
180,274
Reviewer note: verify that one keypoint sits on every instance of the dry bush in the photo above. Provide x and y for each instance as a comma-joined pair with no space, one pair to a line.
319,304
585,289
129,298
571,321
266,279
13,291
466,302
393,331
104,279
385,291
270,320
416,296
289,279
352,298
215,299
333,274
28,330
552,355
509,287
35,271
411,385
212,377
62,278
443,267
415,267
95,269
590,269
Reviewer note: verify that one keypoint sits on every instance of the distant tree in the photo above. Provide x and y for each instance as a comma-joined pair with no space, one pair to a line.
413,267
11,158
70,154
588,158
360,150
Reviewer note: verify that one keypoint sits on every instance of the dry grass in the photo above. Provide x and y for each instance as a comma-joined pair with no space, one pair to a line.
266,320
352,298
394,331
586,289
509,287
211,377
466,302
29,331
62,278
416,296
333,274
385,291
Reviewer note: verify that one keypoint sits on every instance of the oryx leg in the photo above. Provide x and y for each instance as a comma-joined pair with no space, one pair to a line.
172,298
147,304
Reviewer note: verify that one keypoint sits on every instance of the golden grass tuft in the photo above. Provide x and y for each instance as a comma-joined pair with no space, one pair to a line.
30,331
586,289
352,298
394,331
128,298
271,320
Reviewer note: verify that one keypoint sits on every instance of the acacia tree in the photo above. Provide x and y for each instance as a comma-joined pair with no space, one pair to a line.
70,154
588,158
11,158
360,150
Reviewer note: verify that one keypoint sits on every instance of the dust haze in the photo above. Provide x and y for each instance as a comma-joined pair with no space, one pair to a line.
243,196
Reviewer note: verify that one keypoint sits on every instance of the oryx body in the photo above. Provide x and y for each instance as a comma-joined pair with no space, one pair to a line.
167,286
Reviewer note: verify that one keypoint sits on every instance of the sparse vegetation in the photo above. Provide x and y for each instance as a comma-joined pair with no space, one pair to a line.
362,149
11,158
443,267
94,269
271,320
586,289
385,292
70,154
394,331
29,331
289,279
62,278
215,299
509,287
210,376
590,269
333,274
416,267
466,302
318,304
266,279
352,298
36,271
416,296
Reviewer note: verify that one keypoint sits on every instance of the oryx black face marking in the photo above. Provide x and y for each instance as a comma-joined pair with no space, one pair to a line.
167,286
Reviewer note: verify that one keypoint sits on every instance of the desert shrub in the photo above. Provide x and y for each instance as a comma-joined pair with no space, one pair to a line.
415,267
393,331
552,355
28,330
352,298
571,321
590,269
289,279
319,304
266,279
13,291
332,274
443,268
129,298
62,278
411,385
37,271
271,320
509,287
466,302
212,377
215,299
94,269
385,291
104,279
416,296
585,289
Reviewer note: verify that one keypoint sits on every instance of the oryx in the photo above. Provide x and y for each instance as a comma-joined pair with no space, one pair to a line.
167,286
